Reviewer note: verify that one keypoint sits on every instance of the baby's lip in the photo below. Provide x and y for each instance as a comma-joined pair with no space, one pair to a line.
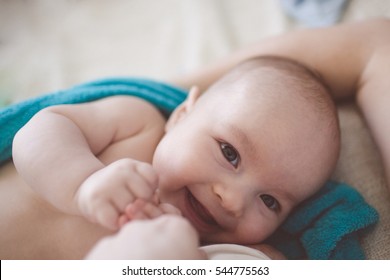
199,215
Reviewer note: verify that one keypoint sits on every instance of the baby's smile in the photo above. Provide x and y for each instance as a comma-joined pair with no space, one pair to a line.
198,214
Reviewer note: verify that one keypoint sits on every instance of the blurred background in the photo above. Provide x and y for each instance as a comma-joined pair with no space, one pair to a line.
46,45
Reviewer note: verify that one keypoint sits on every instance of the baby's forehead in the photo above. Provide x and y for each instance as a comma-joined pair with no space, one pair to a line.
274,92
258,94
271,77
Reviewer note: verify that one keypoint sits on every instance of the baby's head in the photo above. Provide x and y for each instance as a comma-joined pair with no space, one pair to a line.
237,159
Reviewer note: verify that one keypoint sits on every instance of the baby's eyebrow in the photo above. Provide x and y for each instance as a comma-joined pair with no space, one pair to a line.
243,139
287,195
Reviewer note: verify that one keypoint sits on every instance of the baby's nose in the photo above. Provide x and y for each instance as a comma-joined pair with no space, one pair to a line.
231,199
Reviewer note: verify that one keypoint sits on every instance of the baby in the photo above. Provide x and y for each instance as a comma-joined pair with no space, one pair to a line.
238,158
234,161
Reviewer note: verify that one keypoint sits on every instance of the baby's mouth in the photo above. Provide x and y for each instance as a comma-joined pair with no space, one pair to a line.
199,216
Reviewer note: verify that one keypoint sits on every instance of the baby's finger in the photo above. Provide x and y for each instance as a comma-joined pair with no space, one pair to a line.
152,211
121,197
107,216
139,187
142,209
133,208
148,173
167,208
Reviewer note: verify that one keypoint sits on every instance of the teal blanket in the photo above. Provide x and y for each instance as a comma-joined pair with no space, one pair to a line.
12,118
326,226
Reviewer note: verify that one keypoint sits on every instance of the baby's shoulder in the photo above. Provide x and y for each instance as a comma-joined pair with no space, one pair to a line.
132,109
128,104
136,127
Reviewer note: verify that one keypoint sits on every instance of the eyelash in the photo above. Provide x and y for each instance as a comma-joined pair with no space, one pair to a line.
225,149
273,203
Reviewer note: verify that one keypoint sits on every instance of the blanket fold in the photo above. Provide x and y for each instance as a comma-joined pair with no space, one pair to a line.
325,226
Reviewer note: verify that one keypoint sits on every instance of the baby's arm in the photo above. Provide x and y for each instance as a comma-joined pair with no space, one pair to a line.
353,59
65,147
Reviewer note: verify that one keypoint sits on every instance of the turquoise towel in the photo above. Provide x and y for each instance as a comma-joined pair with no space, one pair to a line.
12,118
324,227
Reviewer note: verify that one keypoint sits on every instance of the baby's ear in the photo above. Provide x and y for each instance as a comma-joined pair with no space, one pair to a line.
184,108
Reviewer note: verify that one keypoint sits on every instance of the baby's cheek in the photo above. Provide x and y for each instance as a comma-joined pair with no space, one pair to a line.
257,230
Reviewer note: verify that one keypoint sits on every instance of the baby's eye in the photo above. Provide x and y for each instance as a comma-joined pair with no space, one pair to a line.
270,202
230,154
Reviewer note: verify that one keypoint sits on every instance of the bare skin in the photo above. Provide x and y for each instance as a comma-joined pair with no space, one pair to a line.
34,229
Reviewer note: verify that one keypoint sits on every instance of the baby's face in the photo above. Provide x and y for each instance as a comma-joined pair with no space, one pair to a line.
236,168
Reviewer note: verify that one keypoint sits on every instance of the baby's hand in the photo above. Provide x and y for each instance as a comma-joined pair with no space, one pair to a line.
143,210
103,196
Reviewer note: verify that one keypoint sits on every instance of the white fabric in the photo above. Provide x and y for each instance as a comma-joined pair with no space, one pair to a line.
233,252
